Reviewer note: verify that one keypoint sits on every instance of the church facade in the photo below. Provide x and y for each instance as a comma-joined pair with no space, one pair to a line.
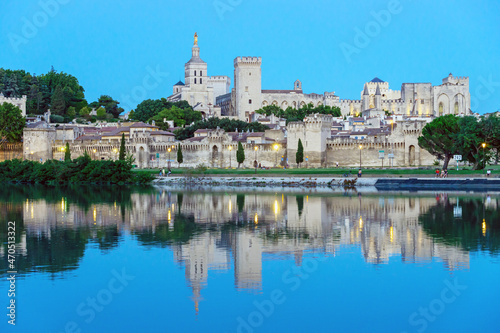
199,89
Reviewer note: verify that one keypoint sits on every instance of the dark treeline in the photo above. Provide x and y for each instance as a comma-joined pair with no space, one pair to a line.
80,170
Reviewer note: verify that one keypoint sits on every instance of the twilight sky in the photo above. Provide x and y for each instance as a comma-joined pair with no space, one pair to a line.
134,50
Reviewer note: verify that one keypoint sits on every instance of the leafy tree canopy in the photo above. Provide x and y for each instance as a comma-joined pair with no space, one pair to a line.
181,117
228,125
291,114
40,90
438,137
149,108
12,123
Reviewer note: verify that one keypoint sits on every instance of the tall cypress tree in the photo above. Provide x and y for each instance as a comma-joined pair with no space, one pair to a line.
180,158
57,103
67,153
240,154
299,156
121,157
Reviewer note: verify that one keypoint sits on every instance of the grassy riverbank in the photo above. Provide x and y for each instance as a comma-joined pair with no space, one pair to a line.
325,172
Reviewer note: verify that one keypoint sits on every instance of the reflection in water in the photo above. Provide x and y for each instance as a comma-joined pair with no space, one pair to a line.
226,231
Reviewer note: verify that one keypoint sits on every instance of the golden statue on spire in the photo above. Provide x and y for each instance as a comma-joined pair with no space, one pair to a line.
195,38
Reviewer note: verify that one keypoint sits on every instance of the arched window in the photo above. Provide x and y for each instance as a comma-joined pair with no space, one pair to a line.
201,73
194,73
194,80
441,108
201,80
456,107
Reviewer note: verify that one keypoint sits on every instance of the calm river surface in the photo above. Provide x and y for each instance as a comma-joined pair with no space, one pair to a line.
115,259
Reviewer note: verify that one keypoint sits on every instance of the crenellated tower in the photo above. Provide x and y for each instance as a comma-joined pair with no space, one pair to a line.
247,86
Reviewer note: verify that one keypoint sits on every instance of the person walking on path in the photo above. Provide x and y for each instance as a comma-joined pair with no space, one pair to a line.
163,172
359,173
488,173
169,172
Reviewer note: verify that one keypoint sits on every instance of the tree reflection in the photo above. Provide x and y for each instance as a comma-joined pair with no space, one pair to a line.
468,231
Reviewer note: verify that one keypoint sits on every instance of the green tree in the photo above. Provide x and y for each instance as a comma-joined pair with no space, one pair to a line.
180,158
71,112
110,105
228,125
469,140
121,156
292,114
101,113
149,108
84,112
57,102
12,123
131,115
240,154
299,155
438,138
67,153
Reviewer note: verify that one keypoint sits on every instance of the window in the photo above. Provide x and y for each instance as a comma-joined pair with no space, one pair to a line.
249,101
195,74
421,101
201,80
201,73
194,80
249,74
246,88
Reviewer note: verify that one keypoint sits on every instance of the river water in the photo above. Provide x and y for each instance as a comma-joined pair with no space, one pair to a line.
152,259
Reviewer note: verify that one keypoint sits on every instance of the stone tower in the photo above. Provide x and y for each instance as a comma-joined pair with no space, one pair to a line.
313,131
195,70
247,86
366,99
378,98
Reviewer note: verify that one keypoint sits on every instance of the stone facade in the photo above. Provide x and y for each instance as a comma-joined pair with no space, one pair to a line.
19,102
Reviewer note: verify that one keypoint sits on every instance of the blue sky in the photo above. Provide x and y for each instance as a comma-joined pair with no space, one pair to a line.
113,46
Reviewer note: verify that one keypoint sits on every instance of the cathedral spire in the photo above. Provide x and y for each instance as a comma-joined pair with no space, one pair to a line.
365,92
196,49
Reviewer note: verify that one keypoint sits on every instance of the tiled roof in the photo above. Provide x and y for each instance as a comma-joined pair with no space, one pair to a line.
142,125
162,133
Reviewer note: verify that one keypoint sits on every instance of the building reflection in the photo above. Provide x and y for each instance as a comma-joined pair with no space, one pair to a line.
220,231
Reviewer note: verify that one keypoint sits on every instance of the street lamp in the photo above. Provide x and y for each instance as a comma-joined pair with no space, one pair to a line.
230,148
360,147
169,150
276,147
255,162
484,156
94,153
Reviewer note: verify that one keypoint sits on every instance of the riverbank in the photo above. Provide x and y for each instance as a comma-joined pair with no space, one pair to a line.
377,183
